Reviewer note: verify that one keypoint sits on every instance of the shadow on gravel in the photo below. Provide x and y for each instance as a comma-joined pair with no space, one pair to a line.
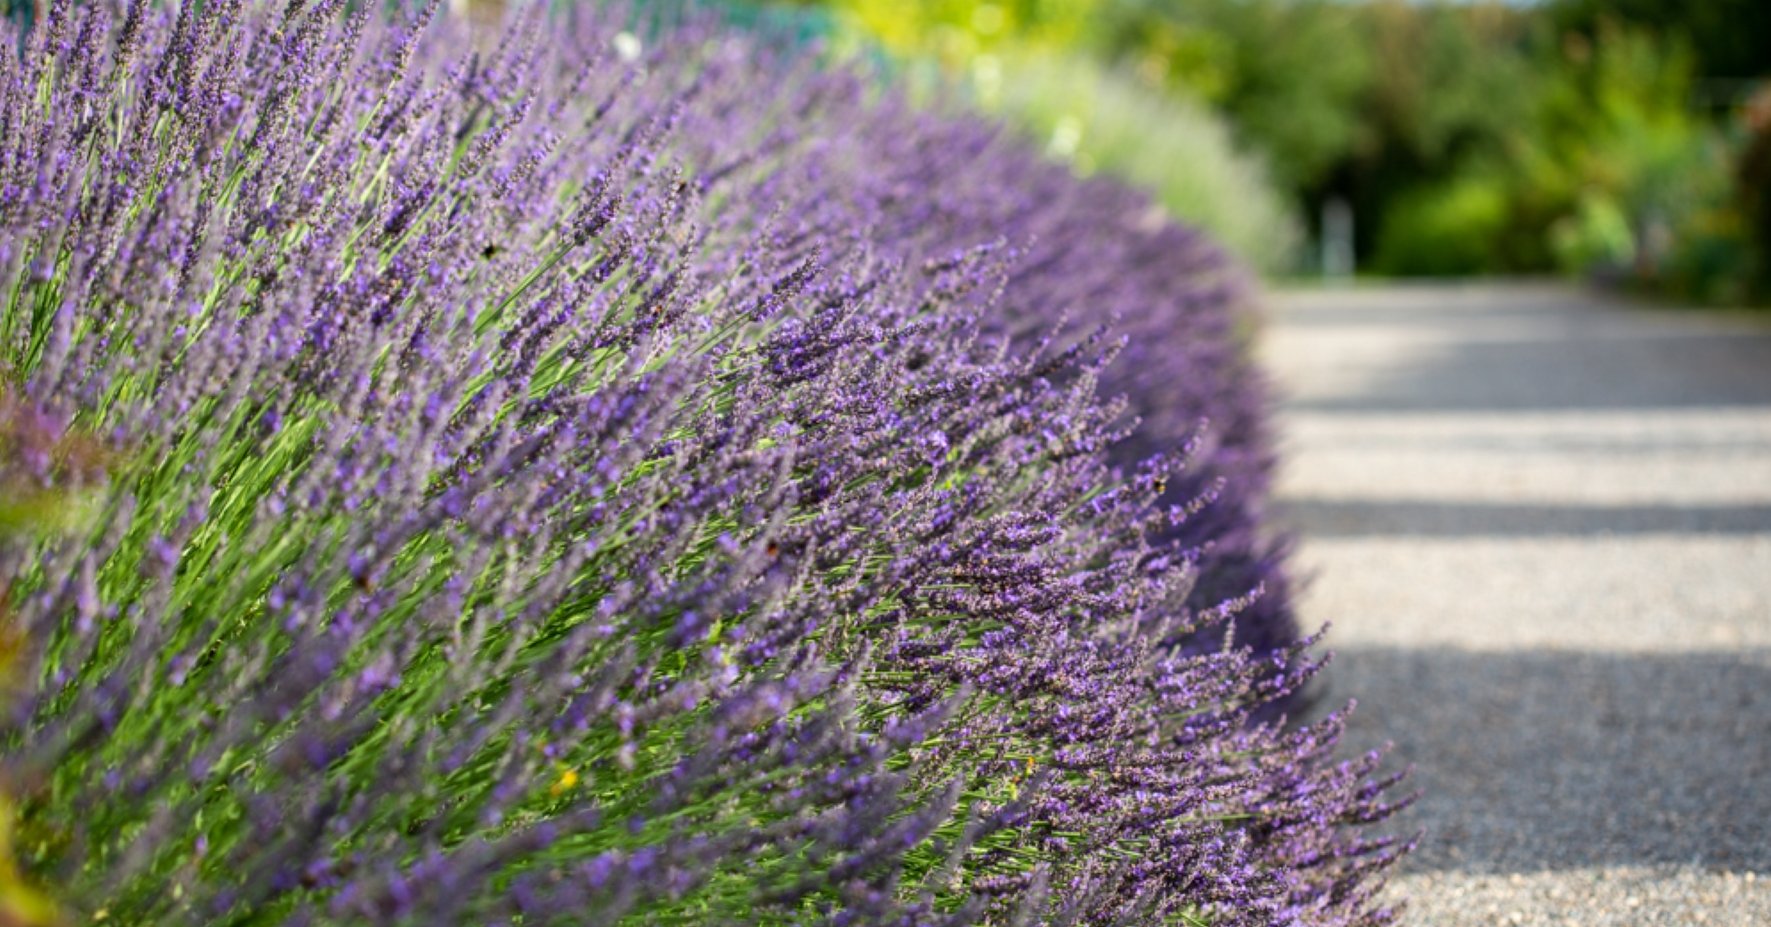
1565,371
1500,348
1358,518
1543,761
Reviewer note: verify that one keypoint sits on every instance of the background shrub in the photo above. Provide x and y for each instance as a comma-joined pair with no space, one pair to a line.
1573,113
1445,232
1173,147
1100,117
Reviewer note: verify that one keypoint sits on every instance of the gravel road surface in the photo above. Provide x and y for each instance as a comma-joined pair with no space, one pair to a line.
1540,522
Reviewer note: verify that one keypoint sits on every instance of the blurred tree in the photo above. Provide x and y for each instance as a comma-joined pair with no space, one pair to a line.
1451,95
1289,72
1617,125
1730,38
1753,174
1444,79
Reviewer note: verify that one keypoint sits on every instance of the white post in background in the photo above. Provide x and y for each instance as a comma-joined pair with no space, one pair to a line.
1337,239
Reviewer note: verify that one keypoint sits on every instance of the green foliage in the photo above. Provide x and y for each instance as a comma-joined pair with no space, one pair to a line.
1596,234
1579,136
1289,72
1730,38
1447,82
1716,260
1590,157
1753,179
1444,231
1107,120
1030,62
957,32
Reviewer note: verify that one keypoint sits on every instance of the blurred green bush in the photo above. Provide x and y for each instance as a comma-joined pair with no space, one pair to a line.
1593,137
1099,118
1451,229
1033,64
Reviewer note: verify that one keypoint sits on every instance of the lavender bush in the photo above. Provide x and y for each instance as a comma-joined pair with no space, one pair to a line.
553,484
1088,252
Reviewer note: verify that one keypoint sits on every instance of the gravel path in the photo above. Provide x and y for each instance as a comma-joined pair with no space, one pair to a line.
1541,526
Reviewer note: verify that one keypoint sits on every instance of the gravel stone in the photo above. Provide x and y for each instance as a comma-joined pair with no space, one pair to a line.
1540,522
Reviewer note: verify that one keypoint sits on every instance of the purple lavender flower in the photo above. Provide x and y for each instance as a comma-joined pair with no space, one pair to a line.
556,482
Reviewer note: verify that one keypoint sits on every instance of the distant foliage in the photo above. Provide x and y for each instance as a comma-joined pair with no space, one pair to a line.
1727,36
641,474
1029,64
1183,153
1455,229
1289,74
1605,170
